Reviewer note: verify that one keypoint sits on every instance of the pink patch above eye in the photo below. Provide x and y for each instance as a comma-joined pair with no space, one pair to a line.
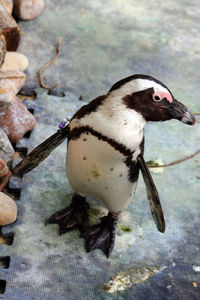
162,95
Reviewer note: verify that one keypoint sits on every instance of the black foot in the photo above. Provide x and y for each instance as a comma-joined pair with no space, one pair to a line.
102,236
72,217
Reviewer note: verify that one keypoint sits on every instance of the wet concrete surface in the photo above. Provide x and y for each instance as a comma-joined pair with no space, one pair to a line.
102,43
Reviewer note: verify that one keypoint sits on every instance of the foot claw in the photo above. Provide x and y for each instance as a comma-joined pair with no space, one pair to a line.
101,236
72,217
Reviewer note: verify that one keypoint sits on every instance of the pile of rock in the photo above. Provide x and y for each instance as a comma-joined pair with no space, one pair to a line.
8,210
22,9
15,119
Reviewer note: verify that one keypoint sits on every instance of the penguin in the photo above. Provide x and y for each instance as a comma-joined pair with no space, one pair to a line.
105,150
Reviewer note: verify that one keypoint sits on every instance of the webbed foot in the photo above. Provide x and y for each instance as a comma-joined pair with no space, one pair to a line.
102,235
75,216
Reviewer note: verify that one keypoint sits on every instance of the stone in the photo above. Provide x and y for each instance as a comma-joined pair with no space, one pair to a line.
3,168
17,121
11,81
2,48
9,28
2,240
5,174
5,101
8,210
8,5
6,149
15,61
28,9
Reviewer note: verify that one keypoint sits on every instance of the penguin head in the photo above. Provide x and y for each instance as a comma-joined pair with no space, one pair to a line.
151,98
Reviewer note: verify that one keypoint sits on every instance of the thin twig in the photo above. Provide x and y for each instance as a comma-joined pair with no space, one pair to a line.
47,65
178,161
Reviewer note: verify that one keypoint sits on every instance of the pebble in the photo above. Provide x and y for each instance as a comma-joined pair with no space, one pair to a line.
5,174
2,48
5,101
2,240
3,168
28,9
16,120
11,81
8,5
8,210
6,149
15,61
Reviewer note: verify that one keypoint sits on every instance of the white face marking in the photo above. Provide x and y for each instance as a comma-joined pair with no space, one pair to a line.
138,85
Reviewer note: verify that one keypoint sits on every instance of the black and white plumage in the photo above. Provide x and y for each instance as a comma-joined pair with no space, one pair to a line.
105,154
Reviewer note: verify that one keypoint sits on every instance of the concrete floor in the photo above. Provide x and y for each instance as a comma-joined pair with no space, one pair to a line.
104,41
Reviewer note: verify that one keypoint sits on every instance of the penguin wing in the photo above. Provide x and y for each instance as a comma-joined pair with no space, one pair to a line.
152,194
35,157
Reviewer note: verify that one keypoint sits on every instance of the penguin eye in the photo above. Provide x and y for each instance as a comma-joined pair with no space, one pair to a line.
156,98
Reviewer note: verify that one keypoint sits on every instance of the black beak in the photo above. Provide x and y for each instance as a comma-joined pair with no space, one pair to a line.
180,112
188,118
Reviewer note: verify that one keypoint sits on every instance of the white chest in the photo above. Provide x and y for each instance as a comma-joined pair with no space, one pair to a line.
96,163
95,167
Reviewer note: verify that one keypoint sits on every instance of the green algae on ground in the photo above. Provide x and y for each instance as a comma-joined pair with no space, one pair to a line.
93,212
125,228
152,163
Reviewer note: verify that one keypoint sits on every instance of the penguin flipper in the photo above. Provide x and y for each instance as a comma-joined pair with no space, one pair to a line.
152,194
42,151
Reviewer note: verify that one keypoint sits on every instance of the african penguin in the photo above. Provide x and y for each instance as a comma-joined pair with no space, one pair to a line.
106,138
105,154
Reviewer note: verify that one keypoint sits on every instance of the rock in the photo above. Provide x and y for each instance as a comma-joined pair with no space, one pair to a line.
8,5
5,174
28,9
3,168
11,81
9,28
2,48
6,150
5,101
15,61
17,120
2,240
8,210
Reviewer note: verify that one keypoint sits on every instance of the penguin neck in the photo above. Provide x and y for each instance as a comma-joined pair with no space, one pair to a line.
116,121
120,115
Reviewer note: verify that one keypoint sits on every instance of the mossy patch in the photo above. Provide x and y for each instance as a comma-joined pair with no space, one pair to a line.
152,163
126,228
93,212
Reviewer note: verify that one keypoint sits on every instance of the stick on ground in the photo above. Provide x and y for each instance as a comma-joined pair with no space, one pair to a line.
47,65
178,161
